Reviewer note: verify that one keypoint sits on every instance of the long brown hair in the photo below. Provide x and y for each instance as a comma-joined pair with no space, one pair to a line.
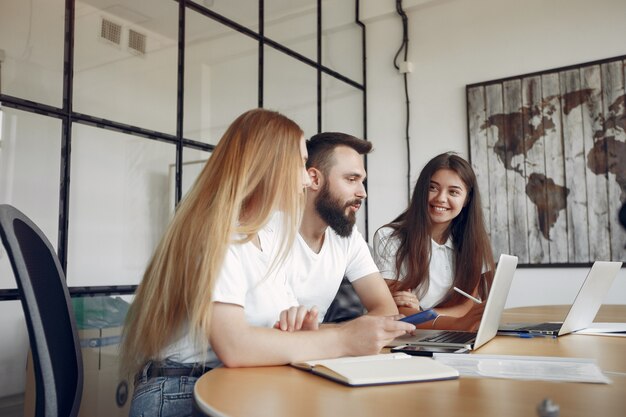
255,170
472,248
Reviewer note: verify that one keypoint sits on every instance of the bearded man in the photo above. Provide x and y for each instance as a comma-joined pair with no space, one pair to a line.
329,247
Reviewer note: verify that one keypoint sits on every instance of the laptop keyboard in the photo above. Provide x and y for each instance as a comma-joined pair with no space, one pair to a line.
543,327
450,337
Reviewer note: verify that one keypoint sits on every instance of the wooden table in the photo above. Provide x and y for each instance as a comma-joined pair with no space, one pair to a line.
285,391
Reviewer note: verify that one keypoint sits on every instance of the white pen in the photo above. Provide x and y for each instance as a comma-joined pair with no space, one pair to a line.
474,299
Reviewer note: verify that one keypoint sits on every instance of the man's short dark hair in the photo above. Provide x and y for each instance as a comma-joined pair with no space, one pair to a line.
321,146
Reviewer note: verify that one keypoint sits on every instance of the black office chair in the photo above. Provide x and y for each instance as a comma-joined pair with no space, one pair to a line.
54,343
346,305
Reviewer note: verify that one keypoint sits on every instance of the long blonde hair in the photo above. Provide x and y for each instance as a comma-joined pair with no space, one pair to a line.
255,170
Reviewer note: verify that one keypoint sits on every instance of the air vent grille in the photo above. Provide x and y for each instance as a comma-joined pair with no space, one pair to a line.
137,42
111,31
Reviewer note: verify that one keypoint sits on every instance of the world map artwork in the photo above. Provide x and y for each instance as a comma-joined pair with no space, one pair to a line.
550,198
556,143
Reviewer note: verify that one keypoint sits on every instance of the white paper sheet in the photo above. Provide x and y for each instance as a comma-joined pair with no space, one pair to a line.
544,368
605,329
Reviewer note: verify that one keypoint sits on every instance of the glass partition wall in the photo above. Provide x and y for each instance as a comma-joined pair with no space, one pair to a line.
109,110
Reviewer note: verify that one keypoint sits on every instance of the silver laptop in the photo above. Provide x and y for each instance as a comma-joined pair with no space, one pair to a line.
583,309
488,324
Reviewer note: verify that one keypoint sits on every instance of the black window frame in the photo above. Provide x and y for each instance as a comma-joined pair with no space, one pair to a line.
68,117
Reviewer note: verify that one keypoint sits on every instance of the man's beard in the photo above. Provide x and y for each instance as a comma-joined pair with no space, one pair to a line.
332,211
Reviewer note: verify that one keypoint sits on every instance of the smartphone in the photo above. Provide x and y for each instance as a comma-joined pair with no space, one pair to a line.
420,317
426,350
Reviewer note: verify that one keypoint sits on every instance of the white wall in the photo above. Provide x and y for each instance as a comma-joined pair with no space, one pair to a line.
458,42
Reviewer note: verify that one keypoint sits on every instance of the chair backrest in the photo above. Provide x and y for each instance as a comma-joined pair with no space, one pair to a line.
54,343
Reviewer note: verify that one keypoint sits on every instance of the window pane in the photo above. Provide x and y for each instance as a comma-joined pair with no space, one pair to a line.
193,163
291,88
342,107
32,42
118,205
221,77
244,12
341,40
293,24
126,62
342,111
13,351
99,322
30,152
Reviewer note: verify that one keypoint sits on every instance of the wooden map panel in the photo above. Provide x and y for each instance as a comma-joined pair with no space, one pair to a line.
549,152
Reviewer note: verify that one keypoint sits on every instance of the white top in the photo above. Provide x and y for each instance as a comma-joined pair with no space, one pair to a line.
440,268
243,281
317,276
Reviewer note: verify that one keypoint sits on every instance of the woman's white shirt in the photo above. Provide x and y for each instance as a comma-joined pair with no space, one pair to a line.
244,281
440,268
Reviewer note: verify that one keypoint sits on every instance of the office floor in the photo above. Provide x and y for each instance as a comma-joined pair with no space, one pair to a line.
12,406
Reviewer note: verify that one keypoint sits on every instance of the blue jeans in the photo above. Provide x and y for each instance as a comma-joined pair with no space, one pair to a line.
163,396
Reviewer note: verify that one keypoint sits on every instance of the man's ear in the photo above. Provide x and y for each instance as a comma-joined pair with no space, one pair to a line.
316,178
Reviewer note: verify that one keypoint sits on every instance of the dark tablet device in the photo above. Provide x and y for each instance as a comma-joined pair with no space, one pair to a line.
426,350
420,317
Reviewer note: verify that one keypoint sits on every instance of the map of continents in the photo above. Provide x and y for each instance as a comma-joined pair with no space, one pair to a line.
608,154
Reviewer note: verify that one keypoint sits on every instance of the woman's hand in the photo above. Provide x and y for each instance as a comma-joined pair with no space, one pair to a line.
471,319
298,318
406,299
467,322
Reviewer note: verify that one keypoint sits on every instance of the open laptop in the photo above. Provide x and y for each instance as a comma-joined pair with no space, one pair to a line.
583,309
488,324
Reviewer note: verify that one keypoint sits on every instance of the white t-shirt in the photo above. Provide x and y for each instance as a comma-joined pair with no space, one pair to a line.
243,281
317,276
440,268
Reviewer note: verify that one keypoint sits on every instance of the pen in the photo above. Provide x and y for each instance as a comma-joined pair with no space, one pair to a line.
463,293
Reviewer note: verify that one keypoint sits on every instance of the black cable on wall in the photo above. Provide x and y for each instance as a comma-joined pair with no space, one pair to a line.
405,69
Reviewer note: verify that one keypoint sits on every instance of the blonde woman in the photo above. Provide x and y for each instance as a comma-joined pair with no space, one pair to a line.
216,284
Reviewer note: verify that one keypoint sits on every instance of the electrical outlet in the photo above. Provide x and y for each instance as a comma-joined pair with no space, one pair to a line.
406,66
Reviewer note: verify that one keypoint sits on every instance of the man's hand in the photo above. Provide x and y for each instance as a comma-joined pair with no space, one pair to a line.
367,335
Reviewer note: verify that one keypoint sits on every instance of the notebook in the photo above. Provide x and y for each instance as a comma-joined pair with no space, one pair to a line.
488,324
583,309
392,368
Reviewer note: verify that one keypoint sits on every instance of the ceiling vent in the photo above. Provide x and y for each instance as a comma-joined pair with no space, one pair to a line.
137,42
111,31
